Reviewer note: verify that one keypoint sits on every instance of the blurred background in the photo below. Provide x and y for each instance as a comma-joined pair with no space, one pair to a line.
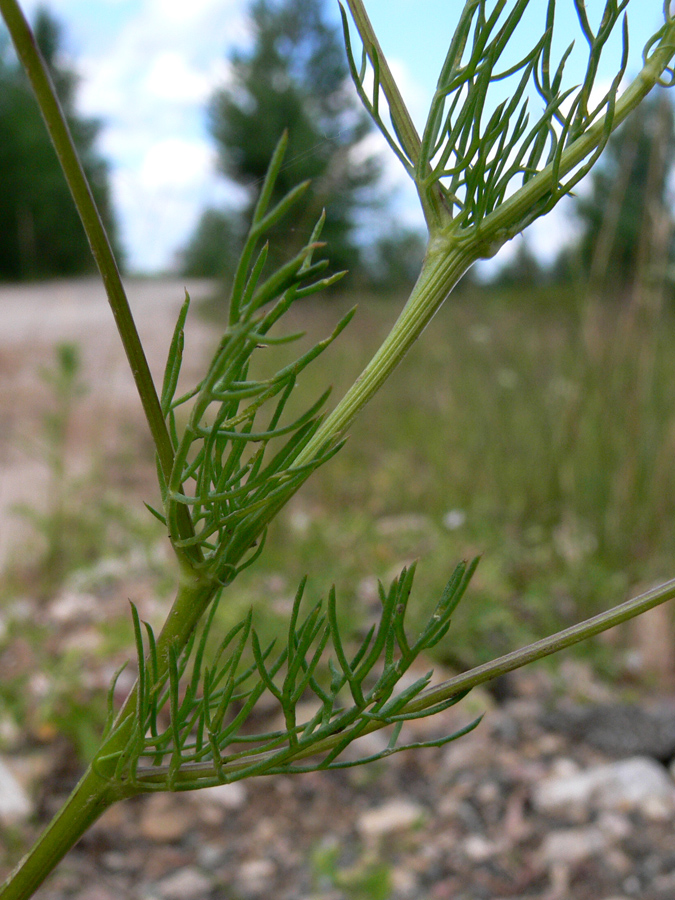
534,423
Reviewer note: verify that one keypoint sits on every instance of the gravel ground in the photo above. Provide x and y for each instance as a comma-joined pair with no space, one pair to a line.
35,318
523,807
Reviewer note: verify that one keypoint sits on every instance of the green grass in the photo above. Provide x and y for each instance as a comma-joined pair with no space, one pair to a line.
548,434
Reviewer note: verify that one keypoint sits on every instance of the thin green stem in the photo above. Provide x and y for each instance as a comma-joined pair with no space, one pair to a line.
57,126
443,266
405,127
432,201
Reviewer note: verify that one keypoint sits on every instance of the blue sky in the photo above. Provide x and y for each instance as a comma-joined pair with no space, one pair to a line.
148,68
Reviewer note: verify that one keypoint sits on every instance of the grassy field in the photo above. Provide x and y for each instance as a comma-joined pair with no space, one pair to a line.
536,430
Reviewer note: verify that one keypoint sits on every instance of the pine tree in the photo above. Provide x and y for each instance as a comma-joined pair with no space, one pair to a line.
40,232
294,76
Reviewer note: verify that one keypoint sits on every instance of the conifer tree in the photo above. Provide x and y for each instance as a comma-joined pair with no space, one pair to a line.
40,232
294,76
628,210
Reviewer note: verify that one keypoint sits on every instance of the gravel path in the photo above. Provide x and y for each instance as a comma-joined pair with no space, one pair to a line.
514,810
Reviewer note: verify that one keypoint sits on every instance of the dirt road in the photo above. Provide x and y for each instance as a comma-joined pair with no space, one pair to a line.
34,319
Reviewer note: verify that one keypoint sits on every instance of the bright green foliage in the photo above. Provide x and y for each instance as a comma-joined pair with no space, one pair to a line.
203,741
239,467
40,232
467,159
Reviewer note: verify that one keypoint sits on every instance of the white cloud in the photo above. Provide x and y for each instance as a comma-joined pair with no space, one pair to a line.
176,163
171,77
148,68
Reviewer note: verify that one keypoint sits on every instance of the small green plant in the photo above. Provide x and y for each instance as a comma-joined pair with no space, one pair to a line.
231,453
368,879
65,388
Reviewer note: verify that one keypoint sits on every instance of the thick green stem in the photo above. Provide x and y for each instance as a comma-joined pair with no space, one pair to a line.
443,266
89,800
96,792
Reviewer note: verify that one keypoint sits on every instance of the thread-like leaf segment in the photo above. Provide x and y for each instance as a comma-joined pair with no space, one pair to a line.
205,709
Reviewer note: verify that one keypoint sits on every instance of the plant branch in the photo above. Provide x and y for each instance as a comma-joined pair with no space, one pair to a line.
514,213
443,267
194,775
432,202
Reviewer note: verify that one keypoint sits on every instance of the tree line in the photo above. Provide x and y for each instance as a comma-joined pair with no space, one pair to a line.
293,75
40,232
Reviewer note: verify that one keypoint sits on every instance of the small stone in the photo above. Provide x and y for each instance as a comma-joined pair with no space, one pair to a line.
209,855
229,796
454,519
367,745
614,826
488,792
404,882
397,815
406,523
15,805
639,784
619,730
83,640
10,733
665,884
187,884
255,875
479,848
97,893
74,607
571,845
31,769
117,862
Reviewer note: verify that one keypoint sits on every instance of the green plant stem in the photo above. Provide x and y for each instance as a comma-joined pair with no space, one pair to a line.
450,253
57,126
410,139
86,804
194,775
433,203
95,792
444,264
